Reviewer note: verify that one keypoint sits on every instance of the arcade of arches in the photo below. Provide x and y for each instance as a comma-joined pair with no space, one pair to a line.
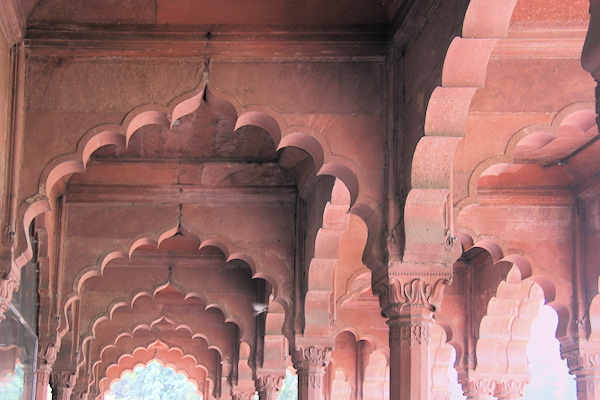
353,189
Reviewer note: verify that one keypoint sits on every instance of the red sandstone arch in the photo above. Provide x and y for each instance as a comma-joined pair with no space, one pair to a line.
193,326
464,75
148,241
550,156
301,137
144,338
376,377
427,220
319,303
504,330
167,357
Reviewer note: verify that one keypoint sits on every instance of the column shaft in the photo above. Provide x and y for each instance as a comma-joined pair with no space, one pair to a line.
409,357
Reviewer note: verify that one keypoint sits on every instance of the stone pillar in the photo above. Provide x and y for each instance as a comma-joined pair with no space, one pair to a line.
46,357
62,383
268,386
409,355
310,361
409,305
584,362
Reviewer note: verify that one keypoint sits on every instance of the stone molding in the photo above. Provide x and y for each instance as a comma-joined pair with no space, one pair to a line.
399,294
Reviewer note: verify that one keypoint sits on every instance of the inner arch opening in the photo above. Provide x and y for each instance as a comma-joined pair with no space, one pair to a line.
153,382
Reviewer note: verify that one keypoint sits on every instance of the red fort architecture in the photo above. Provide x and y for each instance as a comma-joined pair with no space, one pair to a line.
353,190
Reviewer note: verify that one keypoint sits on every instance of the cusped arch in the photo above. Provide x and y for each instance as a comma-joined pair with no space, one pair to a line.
542,150
445,125
127,343
301,137
505,329
141,357
154,240
118,305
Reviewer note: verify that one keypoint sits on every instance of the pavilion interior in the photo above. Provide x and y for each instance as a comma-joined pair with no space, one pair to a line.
240,188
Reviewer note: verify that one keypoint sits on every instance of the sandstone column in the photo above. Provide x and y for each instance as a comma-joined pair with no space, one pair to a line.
310,360
409,301
268,386
46,357
584,362
62,383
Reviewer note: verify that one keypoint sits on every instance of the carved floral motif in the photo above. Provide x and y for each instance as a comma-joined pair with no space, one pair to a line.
395,295
474,386
63,379
509,389
313,355
584,362
580,359
243,396
502,387
269,382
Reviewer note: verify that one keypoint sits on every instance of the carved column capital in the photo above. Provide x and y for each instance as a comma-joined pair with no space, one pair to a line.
62,383
269,382
503,386
243,395
63,379
583,360
477,387
311,355
268,386
510,389
402,294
